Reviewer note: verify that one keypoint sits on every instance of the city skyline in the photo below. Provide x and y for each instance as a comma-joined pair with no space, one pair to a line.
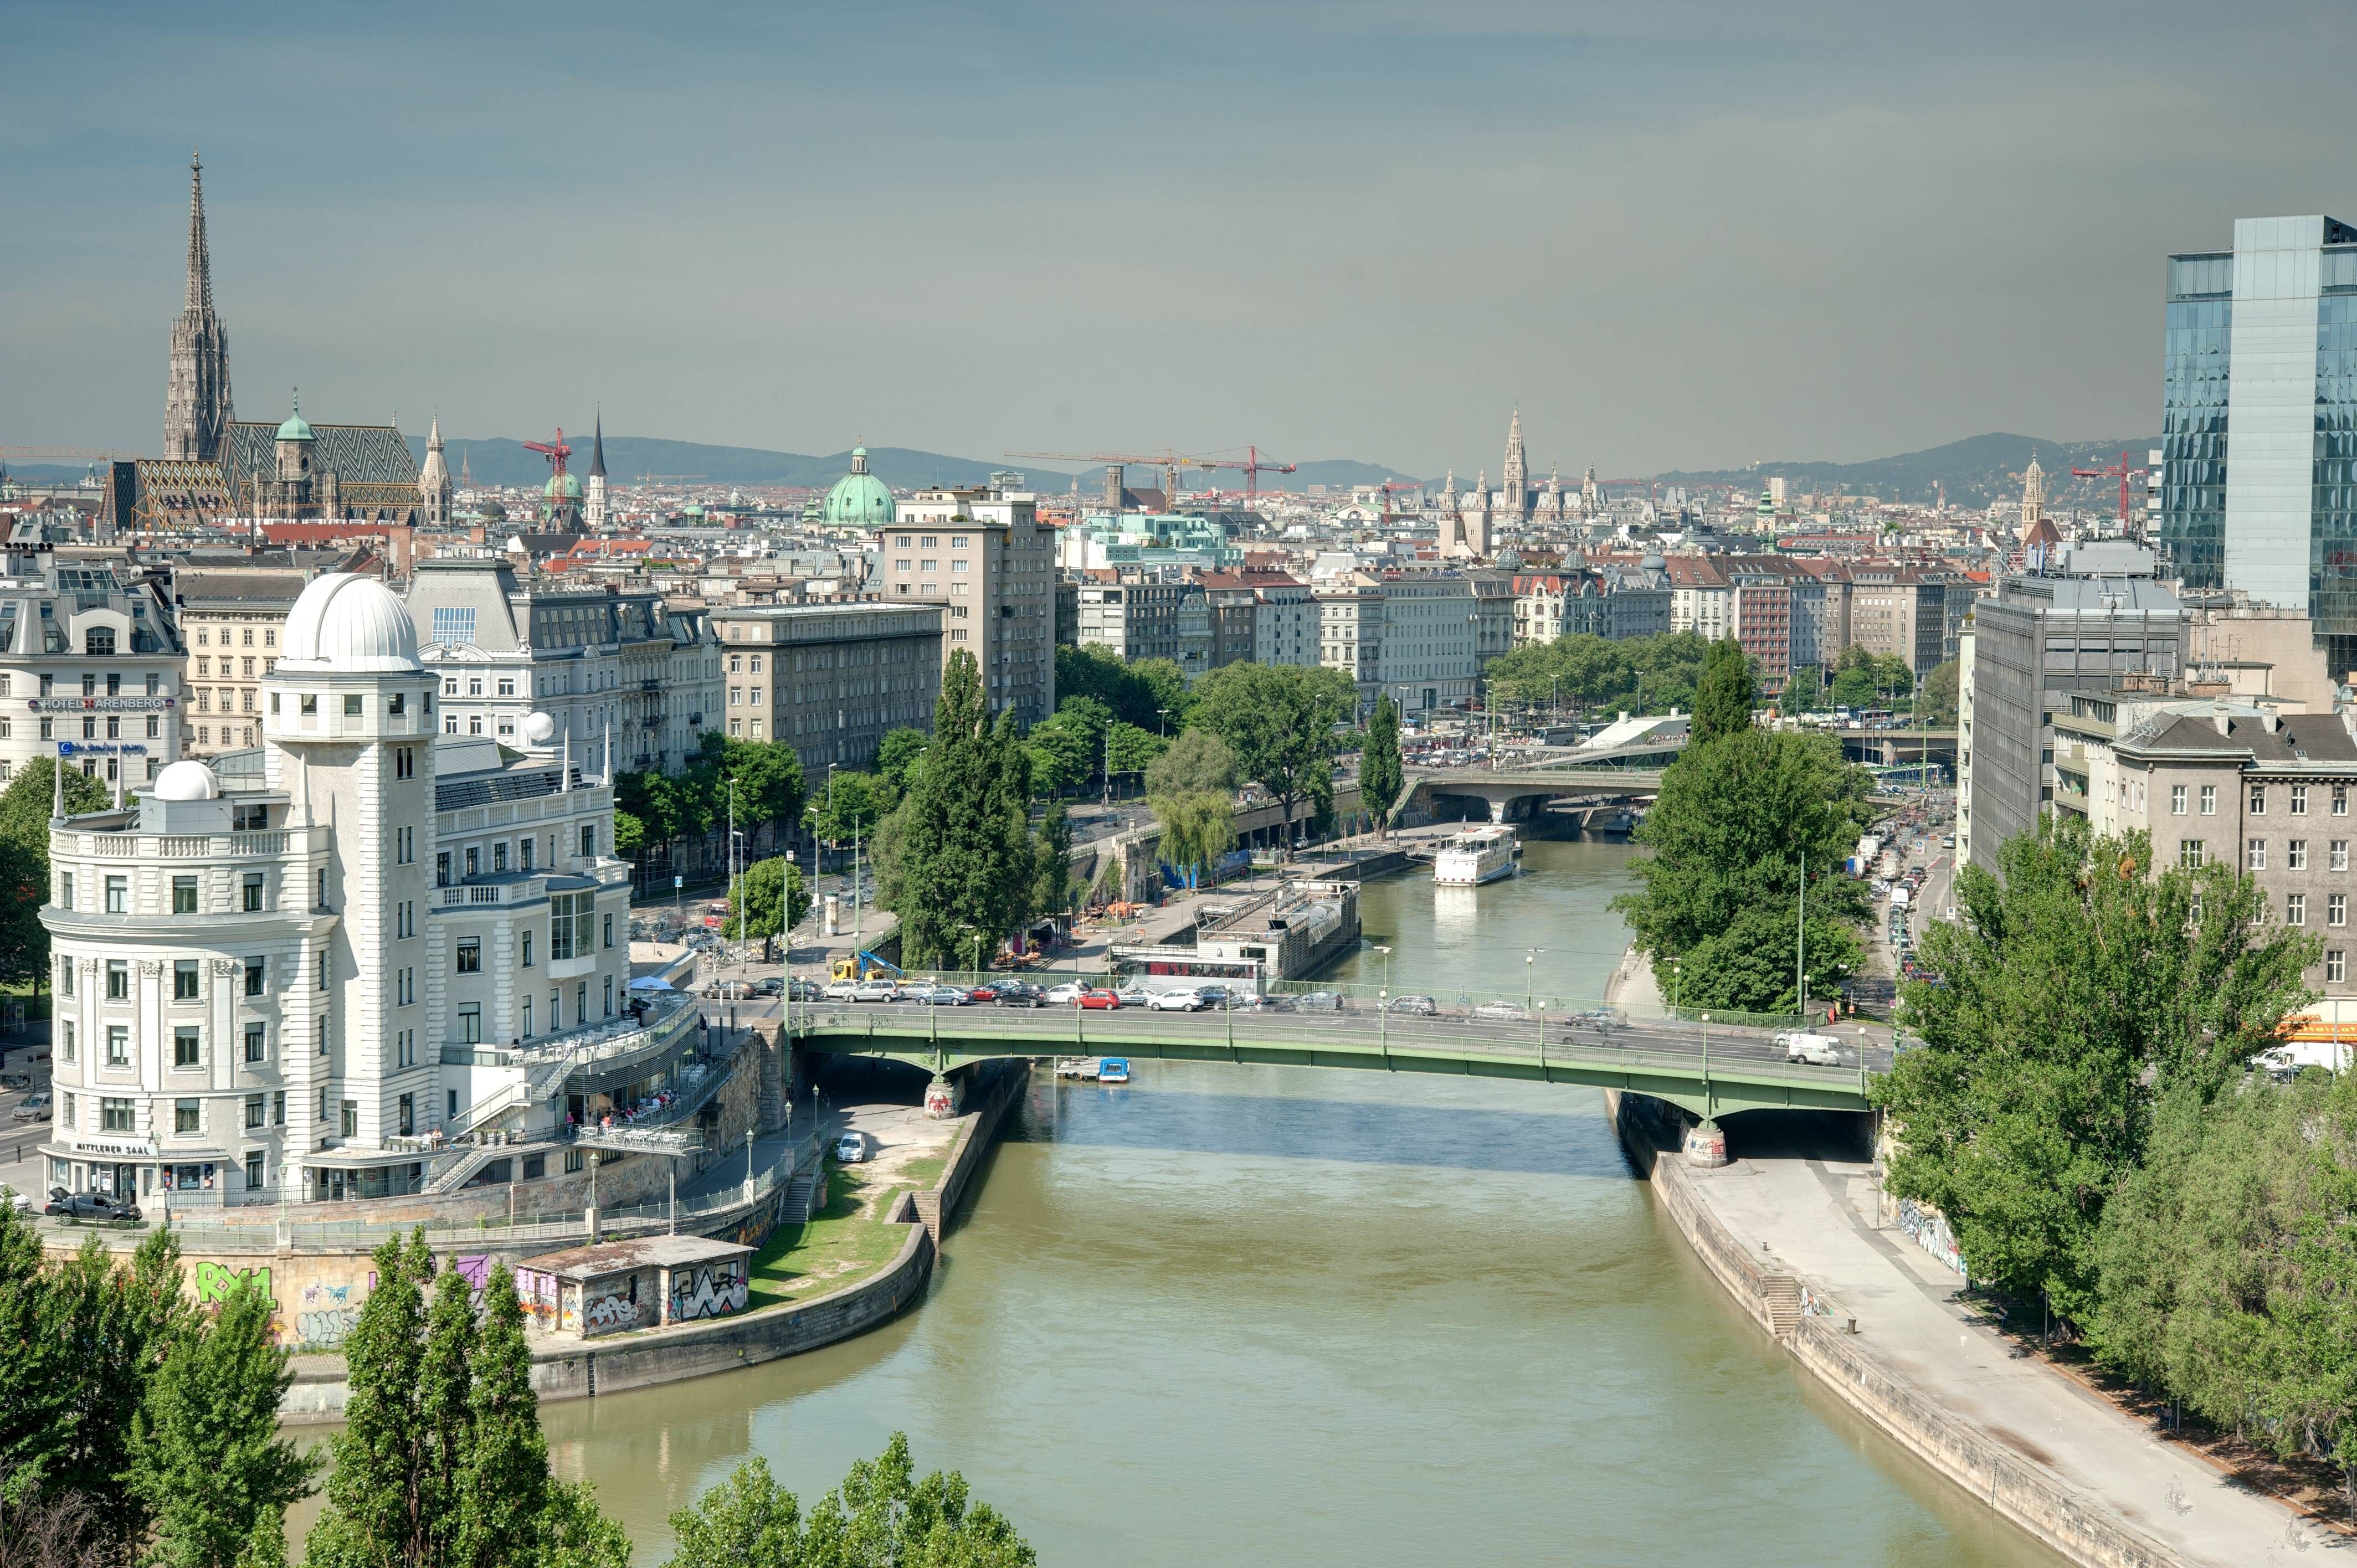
1722,278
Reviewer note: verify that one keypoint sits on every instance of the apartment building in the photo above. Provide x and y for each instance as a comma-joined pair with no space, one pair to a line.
1286,630
983,556
91,668
229,622
1142,614
829,678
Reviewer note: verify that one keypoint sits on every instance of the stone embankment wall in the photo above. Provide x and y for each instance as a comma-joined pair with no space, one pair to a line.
2016,1490
569,1370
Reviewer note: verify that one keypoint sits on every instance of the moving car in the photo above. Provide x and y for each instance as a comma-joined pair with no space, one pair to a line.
35,1107
1174,1002
1061,995
803,990
873,991
941,996
1817,1050
1499,1010
1319,1001
1097,999
94,1205
851,1149
840,991
1422,1006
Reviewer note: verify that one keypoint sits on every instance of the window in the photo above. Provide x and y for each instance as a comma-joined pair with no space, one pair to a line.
2335,968
527,1019
405,920
115,1115
499,855
453,628
252,892
474,685
254,1170
610,930
527,963
184,895
474,860
2341,800
118,980
2295,909
2300,799
188,1047
188,1117
2189,853
2339,854
470,956
65,1043
581,1003
310,704
524,854
404,988
2295,855
404,845
2336,909
319,967
405,764
442,869
257,1048
279,1108
2258,799
507,685
588,840
183,980
470,1023
118,1045
118,895
609,996
405,1115
572,1161
2257,860
320,1032
2209,800
351,1119
65,890
65,976
256,1107
2177,801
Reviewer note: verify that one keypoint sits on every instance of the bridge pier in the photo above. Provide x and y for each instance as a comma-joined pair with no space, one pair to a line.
1705,1144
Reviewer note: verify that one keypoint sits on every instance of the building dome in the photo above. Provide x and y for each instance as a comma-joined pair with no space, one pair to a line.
186,781
294,429
859,499
345,622
562,485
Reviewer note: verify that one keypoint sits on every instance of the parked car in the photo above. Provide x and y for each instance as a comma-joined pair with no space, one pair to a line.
33,1107
1422,1006
12,1199
873,991
851,1149
803,990
92,1206
943,996
982,994
840,991
1017,993
1174,1002
1064,995
1097,999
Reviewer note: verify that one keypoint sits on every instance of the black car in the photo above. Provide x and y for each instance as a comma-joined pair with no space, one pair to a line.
1018,993
94,1205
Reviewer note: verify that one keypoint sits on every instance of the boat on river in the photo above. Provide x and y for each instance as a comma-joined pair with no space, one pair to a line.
1480,854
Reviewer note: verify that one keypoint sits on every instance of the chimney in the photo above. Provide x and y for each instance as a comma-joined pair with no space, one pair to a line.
2218,717
2271,716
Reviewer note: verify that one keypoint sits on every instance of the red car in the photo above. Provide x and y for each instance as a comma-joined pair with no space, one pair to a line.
982,993
1100,999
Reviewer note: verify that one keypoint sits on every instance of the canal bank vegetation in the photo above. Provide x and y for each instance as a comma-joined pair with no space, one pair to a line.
846,1240
2081,1110
137,1426
1741,902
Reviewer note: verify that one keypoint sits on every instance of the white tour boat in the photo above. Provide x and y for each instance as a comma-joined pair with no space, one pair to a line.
1481,854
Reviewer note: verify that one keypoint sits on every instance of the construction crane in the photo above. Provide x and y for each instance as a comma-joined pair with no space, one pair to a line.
1254,469
1168,461
1387,487
555,452
2123,473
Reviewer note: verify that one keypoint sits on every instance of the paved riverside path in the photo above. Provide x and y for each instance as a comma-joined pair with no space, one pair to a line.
1815,1213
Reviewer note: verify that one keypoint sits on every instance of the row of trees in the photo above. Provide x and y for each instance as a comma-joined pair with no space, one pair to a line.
656,809
2082,1110
1748,831
1581,672
135,1426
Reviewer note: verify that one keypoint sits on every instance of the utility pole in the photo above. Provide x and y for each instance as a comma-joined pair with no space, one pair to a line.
1801,946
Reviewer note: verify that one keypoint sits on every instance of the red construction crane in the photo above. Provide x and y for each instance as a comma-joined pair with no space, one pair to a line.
1387,487
2123,473
555,452
1254,469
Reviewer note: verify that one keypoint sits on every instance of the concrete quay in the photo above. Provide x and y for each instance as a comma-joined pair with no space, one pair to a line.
1791,1229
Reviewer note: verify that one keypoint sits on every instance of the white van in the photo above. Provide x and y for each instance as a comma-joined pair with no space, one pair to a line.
1818,1050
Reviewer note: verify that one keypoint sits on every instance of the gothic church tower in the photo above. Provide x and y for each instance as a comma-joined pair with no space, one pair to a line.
196,411
594,495
1514,483
434,487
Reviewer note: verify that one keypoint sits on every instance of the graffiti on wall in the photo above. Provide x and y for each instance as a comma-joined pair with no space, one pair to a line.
476,1270
714,1291
324,1330
536,1289
217,1281
607,1312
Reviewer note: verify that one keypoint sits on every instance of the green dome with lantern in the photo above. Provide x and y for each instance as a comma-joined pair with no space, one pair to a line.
859,500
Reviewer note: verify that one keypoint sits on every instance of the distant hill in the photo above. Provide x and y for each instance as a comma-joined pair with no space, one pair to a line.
1977,471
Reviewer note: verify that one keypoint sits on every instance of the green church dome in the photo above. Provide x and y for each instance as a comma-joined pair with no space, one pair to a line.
859,500
564,484
294,429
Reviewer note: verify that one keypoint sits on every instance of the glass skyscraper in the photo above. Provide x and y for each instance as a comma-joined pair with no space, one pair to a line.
2260,354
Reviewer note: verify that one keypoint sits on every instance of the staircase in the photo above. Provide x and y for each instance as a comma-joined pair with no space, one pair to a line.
804,1195
1780,1294
453,1173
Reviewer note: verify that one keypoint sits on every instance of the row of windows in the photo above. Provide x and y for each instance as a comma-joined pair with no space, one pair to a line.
115,895
269,638
471,857
187,1044
2178,797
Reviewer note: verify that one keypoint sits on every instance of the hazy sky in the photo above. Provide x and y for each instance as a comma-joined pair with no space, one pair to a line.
1679,234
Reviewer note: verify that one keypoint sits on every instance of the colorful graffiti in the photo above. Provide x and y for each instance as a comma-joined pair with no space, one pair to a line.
315,1292
476,1270
218,1282
714,1291
609,1312
536,1289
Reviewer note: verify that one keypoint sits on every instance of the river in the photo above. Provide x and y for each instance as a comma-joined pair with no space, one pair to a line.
1243,1315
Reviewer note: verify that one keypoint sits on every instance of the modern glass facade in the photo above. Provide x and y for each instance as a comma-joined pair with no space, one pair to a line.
2195,387
2332,572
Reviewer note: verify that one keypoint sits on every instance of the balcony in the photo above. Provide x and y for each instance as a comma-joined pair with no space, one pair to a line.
129,844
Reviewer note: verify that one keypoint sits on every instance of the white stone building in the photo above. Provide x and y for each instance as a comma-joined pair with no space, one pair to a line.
301,976
89,669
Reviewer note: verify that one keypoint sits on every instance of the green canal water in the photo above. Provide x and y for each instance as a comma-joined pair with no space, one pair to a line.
1268,1316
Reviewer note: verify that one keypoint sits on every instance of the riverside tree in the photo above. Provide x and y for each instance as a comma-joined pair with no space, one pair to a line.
2075,991
1722,702
882,1516
1279,720
1380,776
1740,821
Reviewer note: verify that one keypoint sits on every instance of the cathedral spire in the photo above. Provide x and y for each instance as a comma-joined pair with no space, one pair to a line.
597,446
196,409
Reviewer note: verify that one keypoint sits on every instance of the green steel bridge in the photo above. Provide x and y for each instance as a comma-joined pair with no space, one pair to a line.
1709,1078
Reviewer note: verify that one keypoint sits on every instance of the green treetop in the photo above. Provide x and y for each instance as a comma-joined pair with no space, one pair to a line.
1723,703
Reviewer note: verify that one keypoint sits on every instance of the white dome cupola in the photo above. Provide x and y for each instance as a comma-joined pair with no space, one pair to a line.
349,624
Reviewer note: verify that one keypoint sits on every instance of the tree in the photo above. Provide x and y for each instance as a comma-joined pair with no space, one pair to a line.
1052,888
1279,720
25,808
1379,762
2076,989
882,1516
1062,758
1739,820
767,901
205,1455
955,862
630,834
1166,700
897,756
1198,762
770,789
849,807
1723,703
383,1483
1130,749
1939,694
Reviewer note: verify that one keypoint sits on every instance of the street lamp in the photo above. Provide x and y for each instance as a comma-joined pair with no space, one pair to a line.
1530,958
1166,721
